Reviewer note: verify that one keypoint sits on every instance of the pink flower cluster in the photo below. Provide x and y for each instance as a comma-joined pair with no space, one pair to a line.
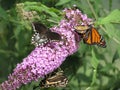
77,17
45,59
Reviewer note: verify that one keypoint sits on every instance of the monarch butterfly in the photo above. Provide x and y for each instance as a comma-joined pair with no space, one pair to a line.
54,79
90,35
42,34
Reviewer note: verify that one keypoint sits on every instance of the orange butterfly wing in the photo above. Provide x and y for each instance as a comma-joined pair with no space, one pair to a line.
92,37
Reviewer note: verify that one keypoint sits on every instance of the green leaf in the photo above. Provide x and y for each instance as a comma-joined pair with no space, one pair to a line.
112,32
54,20
116,56
31,3
42,8
107,67
113,17
3,14
61,2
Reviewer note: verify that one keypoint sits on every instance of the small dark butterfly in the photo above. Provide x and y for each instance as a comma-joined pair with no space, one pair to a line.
90,35
54,79
43,35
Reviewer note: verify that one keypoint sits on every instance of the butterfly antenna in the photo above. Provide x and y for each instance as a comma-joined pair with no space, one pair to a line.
33,27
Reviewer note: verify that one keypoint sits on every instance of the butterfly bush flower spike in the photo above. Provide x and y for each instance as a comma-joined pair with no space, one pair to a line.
44,59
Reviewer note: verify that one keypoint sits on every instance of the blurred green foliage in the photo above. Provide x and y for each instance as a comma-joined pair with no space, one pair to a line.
91,68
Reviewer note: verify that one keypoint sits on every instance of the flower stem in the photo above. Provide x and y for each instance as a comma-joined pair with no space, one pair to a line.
91,8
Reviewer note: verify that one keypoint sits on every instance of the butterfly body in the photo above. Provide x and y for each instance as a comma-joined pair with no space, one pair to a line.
43,35
90,35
